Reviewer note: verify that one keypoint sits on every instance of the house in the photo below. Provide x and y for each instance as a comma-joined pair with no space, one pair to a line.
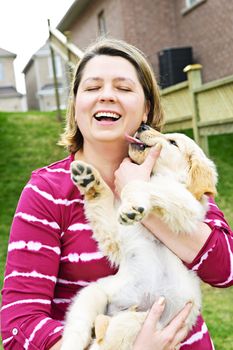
172,33
39,81
10,98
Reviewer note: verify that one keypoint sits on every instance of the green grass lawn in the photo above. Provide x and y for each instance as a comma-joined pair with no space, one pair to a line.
28,141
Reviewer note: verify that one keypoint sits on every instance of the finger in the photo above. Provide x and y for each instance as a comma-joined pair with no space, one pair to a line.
152,156
126,160
155,313
178,321
179,337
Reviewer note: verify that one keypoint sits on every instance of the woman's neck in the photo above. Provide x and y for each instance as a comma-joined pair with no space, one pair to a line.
106,158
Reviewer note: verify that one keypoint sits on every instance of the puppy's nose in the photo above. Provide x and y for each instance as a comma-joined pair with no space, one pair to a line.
143,127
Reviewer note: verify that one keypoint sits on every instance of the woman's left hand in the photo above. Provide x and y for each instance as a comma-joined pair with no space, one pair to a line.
129,171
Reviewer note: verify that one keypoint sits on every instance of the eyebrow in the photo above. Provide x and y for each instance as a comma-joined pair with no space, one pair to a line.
91,79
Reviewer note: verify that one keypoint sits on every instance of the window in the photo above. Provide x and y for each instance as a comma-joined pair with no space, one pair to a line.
101,23
1,71
58,66
191,2
190,5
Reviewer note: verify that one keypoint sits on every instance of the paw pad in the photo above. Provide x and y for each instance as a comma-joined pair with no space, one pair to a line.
83,175
130,215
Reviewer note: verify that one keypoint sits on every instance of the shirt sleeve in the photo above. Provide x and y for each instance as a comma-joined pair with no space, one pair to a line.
214,262
31,271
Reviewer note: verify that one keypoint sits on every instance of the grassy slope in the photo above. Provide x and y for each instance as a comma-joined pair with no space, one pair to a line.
28,141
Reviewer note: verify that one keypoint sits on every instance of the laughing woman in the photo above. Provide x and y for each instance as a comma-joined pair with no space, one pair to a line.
52,254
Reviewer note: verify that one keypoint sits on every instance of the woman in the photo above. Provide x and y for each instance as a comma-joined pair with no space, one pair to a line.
51,252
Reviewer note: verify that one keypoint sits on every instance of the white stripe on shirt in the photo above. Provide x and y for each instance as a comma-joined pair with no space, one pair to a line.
217,222
78,283
75,257
56,330
49,197
33,274
7,340
61,301
203,258
31,218
79,227
33,246
196,336
57,170
36,329
27,301
230,278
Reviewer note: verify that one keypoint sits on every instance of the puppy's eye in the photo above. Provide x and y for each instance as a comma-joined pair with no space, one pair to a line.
142,147
173,142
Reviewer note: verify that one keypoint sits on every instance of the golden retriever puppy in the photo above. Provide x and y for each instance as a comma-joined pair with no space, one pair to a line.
177,192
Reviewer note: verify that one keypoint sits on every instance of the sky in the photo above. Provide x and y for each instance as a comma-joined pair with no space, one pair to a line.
24,28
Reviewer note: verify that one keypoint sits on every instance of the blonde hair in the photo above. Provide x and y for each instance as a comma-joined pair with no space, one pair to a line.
72,138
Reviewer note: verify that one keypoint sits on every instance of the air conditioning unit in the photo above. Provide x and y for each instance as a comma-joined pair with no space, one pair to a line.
171,64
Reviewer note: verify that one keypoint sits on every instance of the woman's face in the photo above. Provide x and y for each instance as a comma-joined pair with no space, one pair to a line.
110,100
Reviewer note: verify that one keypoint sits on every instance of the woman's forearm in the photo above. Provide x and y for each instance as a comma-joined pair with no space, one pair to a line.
185,246
56,346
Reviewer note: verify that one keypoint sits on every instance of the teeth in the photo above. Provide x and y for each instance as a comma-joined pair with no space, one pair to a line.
107,115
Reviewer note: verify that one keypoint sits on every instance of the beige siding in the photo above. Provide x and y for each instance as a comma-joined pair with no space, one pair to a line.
8,72
31,88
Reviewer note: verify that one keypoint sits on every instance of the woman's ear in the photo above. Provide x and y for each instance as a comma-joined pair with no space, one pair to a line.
144,118
202,177
146,112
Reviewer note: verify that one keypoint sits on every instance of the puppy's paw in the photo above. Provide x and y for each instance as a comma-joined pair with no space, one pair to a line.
128,215
85,177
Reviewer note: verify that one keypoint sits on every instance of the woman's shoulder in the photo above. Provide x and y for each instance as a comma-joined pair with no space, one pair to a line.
55,178
60,166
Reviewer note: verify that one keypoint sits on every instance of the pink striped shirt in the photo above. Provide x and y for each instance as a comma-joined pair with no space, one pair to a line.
52,254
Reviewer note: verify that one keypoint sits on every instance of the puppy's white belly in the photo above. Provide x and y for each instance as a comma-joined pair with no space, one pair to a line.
151,270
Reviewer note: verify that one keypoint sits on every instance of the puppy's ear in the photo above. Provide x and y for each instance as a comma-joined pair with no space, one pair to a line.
101,325
202,177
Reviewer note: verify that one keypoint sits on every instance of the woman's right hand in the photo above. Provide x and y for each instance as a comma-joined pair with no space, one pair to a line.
168,338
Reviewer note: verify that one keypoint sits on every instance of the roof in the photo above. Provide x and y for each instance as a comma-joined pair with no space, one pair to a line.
71,15
5,53
43,51
9,91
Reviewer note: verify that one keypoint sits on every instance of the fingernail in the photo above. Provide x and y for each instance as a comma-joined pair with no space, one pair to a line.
189,303
161,301
158,147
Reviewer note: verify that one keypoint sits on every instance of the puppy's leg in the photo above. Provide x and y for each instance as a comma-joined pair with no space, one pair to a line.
121,331
99,208
167,198
81,316
135,202
175,205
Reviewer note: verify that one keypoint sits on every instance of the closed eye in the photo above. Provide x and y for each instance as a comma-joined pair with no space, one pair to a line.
173,142
123,88
92,88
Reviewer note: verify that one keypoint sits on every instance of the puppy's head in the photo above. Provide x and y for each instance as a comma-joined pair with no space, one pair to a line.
180,158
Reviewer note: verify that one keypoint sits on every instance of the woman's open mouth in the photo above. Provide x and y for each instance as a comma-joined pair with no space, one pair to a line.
107,117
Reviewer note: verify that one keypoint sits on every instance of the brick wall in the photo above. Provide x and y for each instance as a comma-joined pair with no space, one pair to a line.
85,30
153,25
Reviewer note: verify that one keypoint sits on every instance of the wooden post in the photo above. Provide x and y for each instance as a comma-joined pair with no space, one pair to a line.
57,98
194,80
69,64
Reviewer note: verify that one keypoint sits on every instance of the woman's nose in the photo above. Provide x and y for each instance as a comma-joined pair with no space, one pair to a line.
107,95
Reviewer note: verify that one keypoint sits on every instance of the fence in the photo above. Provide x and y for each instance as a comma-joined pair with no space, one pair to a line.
206,108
